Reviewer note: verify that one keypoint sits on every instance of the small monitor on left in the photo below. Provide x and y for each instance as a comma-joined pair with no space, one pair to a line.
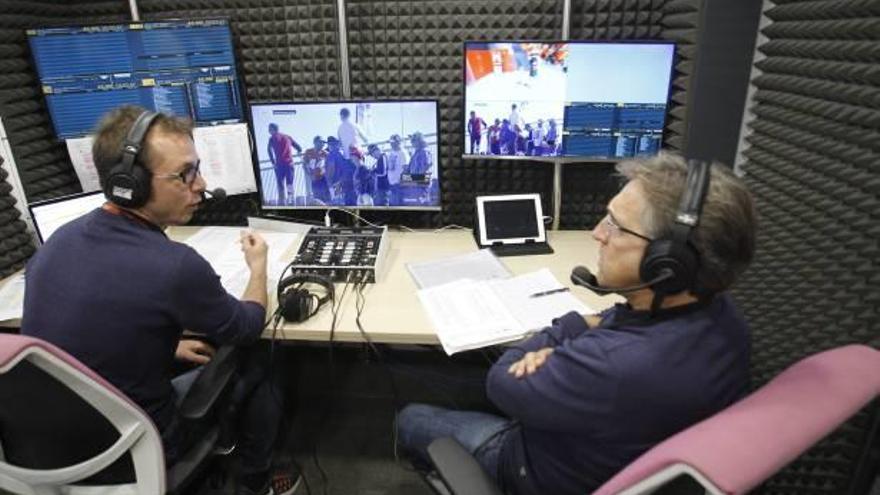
51,214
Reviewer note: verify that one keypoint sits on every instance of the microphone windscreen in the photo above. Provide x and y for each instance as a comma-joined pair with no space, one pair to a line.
219,193
582,276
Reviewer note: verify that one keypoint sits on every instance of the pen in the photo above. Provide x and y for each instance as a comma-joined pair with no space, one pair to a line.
549,292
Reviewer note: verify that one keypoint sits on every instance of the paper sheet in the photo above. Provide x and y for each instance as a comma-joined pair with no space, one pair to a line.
536,312
80,151
221,247
225,154
477,265
468,314
12,297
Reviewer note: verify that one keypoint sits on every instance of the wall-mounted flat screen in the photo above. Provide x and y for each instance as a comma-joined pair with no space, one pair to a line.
186,68
354,154
590,100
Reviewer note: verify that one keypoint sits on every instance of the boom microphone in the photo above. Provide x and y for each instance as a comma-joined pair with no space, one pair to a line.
218,194
582,276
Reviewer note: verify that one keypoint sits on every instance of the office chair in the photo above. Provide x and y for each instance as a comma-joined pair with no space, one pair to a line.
64,429
736,449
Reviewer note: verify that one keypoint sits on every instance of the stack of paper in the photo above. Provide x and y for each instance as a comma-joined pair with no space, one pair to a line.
468,314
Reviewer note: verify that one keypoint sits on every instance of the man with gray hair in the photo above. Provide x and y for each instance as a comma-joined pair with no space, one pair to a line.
589,394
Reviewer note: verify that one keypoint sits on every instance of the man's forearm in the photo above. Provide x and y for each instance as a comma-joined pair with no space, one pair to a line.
256,287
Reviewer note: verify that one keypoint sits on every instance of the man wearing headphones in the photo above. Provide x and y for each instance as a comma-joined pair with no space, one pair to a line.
587,395
112,290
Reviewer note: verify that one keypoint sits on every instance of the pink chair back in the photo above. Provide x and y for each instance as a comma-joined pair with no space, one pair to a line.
748,442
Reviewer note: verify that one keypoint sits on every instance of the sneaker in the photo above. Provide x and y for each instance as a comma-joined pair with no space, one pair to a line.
285,481
282,482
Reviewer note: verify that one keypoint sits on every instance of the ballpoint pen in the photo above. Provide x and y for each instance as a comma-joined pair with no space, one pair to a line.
549,292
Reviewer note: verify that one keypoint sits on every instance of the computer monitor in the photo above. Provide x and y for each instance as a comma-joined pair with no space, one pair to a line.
186,68
355,154
579,99
51,214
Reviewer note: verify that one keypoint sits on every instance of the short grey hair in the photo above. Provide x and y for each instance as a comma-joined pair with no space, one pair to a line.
725,236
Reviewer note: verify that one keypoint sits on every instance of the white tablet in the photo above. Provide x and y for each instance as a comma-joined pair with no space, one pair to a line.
510,219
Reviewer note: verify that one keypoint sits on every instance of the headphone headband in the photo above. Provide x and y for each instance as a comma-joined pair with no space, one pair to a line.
674,253
134,140
695,188
126,184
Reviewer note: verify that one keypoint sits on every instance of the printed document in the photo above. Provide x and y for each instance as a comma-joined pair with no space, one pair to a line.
225,154
477,265
80,151
221,247
469,314
12,297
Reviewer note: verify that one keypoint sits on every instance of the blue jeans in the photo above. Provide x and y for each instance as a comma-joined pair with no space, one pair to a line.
481,434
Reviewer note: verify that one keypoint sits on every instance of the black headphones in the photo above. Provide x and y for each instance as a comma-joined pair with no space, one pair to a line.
674,252
297,303
128,182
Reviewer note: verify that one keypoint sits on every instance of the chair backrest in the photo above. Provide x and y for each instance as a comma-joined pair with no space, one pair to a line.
743,445
64,428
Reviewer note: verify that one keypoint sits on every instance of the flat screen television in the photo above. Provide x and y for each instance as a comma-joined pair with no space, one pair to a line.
354,154
578,99
185,68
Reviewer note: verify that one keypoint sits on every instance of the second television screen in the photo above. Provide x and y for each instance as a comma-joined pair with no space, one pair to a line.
356,154
596,100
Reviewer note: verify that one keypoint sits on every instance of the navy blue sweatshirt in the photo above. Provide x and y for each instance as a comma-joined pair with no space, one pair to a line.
115,293
608,394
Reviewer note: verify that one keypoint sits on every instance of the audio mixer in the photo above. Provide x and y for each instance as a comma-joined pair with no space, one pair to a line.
342,253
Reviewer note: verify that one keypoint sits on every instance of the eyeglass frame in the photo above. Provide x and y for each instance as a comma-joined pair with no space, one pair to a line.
612,225
195,170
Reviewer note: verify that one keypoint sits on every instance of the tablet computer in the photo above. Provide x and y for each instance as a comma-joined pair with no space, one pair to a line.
513,222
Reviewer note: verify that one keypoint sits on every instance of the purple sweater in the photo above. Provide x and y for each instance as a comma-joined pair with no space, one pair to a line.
608,394
116,294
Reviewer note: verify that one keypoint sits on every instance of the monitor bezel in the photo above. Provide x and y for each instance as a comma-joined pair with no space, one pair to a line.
51,201
232,38
256,159
560,158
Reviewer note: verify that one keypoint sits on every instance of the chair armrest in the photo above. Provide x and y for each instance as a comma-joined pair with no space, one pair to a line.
458,469
211,382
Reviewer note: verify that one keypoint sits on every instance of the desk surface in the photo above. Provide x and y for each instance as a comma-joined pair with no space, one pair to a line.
393,313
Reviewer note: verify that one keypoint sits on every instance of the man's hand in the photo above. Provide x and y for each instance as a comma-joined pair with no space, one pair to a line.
530,362
194,351
255,250
593,320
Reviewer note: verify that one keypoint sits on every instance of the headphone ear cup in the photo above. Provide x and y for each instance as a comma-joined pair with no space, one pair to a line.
305,304
666,255
128,188
289,305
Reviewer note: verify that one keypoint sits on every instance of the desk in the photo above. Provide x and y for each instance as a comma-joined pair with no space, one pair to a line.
393,312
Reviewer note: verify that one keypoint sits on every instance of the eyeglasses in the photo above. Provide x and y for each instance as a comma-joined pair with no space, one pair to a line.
187,176
614,228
